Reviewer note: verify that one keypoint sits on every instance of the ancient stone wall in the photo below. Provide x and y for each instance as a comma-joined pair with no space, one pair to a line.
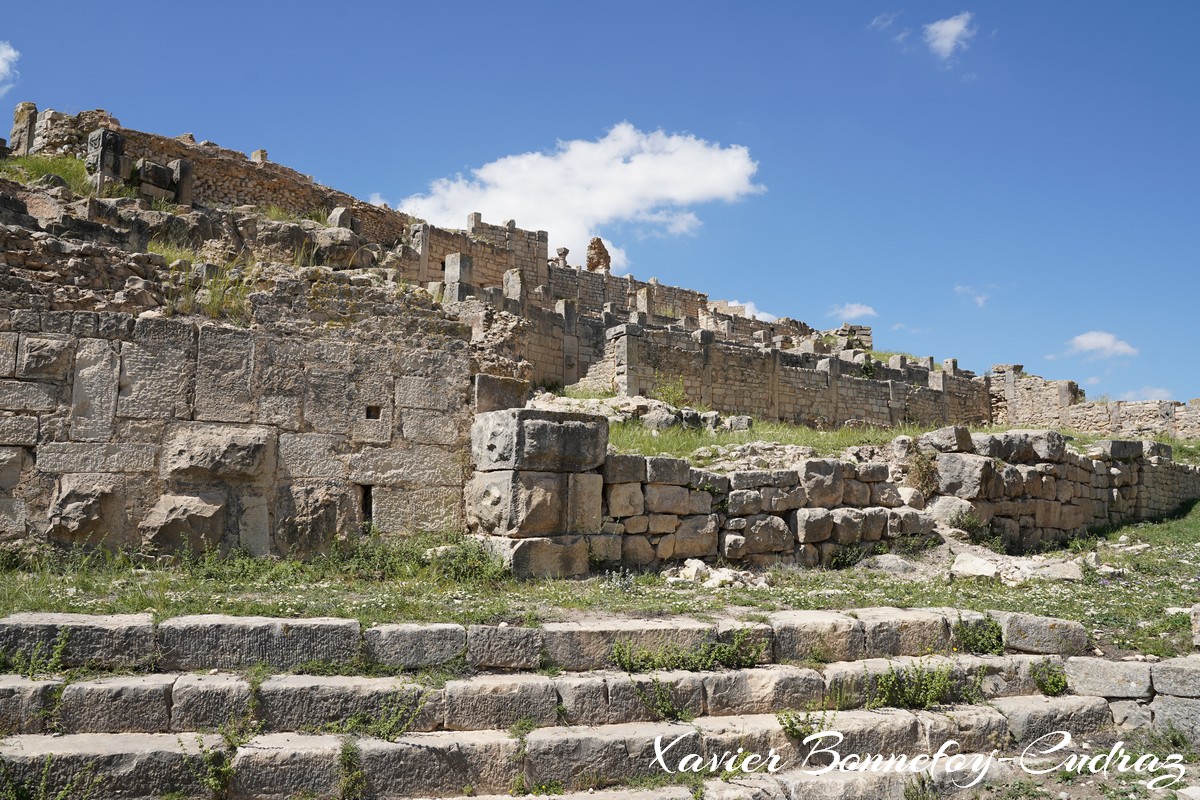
548,497
799,387
344,405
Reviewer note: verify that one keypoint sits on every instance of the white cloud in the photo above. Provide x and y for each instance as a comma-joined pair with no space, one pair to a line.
851,311
946,36
754,310
900,326
8,67
1093,380
883,21
626,176
1100,344
376,199
978,296
1148,393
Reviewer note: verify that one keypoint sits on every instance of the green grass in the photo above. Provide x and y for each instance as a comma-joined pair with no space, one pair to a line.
280,214
172,251
388,580
27,169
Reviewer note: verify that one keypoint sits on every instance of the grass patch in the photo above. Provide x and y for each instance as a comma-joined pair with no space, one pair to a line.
172,251
1050,677
281,214
28,169
740,653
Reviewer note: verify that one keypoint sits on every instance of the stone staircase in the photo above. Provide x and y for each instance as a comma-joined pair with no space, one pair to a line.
205,706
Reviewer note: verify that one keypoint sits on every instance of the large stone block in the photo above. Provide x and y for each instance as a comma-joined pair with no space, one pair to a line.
768,534
811,524
23,702
306,702
1102,678
494,393
20,431
696,536
89,509
125,703
667,499
280,765
413,646
624,469
1028,633
674,471
1180,713
418,509
517,504
816,636
559,557
28,396
96,457
206,452
42,358
419,465
1030,718
185,523
94,391
580,646
952,439
1177,676
219,641
158,370
545,441
207,702
624,499
311,455
584,502
578,757
440,764
509,647
112,641
498,701
416,392
822,481
965,475
225,375
903,632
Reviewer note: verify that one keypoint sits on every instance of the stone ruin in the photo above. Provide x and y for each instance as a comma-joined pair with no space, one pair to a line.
293,381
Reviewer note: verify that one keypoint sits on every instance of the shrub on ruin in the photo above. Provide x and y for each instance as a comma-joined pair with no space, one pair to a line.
916,686
670,390
922,472
982,637
1050,677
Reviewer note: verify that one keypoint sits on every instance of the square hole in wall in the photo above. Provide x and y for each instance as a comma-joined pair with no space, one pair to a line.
374,412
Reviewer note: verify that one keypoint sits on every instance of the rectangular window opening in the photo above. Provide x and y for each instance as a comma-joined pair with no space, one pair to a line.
374,412
367,509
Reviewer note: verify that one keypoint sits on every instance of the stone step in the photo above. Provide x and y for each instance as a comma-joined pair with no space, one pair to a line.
214,641
161,703
571,758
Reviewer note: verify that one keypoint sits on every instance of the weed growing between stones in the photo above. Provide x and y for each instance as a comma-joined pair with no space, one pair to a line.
352,781
982,637
740,652
215,768
39,662
83,785
397,714
922,472
1050,677
799,725
915,686
660,703
921,788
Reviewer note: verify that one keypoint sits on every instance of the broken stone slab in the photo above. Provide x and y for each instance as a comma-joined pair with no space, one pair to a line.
967,565
1031,717
116,640
220,641
125,703
543,441
1028,633
415,646
285,765
488,702
1102,678
23,702
205,451
185,523
496,393
493,647
816,636
208,702
964,475
1177,676
951,439
130,765
306,702
580,646
558,557
440,764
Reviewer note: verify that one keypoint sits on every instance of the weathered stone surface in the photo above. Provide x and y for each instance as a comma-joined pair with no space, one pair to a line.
768,534
497,393
1028,633
971,566
207,702
1118,450
415,646
129,765
666,499
1130,714
822,482
1031,717
96,457
311,455
224,642
624,469
1181,713
578,646
503,648
440,764
303,702
21,431
88,509
558,557
763,690
94,391
952,439
22,702
816,636
624,499
206,451
488,702
613,754
1177,676
1196,624
224,375
125,703
117,640
696,536
673,471
157,368
279,765
903,632
812,524
1102,678
181,523
519,504
584,502
27,396
964,475
547,441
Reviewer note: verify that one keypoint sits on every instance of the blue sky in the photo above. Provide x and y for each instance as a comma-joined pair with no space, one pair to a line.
997,182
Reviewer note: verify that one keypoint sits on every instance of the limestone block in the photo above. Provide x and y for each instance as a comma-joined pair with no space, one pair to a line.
206,702
517,504
1102,678
732,545
674,471
822,481
575,757
903,632
219,641
415,646
157,370
224,375
811,524
22,702
422,508
89,509
1180,713
495,393
208,451
430,393
191,523
141,765
750,479
287,765
696,536
1031,717
624,499
419,465
744,502
699,502
1027,633
310,516
637,551
872,471
559,557
967,565
951,439
20,431
875,522
584,502
94,391
440,764
885,495
581,646
28,396
965,475
497,701
528,439
604,548
762,690
624,469
492,647
40,358
816,635
779,500
8,354
112,641
125,703
1032,446
1130,714
1177,676
855,493
96,457
430,427
311,455
666,499
300,702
